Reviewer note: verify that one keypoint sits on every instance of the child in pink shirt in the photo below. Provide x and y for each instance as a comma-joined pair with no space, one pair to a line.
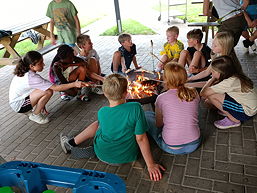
174,125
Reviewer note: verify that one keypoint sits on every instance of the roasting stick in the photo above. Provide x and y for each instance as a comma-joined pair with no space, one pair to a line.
151,53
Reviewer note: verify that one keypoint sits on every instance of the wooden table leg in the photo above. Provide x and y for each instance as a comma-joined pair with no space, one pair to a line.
44,33
7,43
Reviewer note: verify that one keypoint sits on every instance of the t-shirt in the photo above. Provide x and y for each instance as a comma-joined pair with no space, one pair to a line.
206,51
115,139
91,54
128,56
226,6
232,86
63,15
180,118
172,51
21,87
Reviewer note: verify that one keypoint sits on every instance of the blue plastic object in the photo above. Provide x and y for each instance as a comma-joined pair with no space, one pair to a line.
31,177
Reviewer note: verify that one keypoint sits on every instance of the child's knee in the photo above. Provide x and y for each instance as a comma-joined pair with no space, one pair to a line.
49,92
184,53
198,54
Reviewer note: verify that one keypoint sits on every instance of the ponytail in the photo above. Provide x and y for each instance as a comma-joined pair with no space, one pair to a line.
23,66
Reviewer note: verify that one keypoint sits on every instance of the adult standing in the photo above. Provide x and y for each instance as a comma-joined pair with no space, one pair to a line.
233,19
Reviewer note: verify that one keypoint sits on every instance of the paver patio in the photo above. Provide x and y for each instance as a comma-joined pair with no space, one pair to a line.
225,162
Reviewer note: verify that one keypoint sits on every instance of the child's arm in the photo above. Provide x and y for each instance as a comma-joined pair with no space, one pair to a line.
245,4
202,74
153,168
135,63
206,90
63,87
250,23
123,65
77,23
58,71
52,36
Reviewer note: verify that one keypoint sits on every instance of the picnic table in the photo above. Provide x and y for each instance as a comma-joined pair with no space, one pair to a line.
9,42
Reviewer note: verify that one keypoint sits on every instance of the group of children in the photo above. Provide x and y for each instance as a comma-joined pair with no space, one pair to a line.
122,127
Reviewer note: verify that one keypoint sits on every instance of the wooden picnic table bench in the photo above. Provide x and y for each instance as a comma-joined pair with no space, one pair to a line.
9,42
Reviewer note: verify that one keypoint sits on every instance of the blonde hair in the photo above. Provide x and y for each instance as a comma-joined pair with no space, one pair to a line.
175,76
114,87
123,37
226,41
174,29
82,39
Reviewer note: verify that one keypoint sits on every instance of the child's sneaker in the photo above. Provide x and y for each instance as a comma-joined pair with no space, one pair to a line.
97,90
254,48
40,119
66,147
83,97
65,97
226,123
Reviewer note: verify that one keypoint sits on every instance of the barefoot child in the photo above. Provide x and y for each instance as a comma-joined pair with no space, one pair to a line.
197,55
120,130
126,54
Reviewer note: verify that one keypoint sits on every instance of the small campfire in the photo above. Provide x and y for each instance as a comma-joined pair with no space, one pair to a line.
143,86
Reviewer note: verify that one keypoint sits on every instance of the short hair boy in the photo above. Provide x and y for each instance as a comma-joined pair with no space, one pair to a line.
68,27
125,55
121,128
197,55
88,54
171,49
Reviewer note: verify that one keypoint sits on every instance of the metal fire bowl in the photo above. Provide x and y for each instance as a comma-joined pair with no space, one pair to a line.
146,100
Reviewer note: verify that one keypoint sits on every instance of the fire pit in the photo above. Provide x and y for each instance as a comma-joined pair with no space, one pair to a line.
143,87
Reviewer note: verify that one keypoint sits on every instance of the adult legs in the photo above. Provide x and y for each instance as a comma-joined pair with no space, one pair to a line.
39,99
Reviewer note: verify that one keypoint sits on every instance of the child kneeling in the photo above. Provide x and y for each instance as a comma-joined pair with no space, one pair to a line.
120,129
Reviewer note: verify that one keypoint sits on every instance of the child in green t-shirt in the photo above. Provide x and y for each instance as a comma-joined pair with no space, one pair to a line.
120,130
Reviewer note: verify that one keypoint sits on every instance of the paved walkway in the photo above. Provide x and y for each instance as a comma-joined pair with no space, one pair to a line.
225,162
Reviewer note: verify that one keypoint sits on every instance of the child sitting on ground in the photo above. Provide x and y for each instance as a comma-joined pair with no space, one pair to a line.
197,55
172,48
231,91
90,55
66,67
126,54
119,131
28,89
168,126
222,44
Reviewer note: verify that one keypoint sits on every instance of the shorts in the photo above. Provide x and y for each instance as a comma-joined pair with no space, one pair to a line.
234,108
67,36
26,106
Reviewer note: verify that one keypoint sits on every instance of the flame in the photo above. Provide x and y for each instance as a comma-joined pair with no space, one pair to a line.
136,90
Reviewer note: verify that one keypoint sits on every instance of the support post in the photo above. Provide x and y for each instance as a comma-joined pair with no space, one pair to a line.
117,12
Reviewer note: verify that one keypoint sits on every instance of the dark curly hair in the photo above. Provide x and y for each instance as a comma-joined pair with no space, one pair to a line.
23,66
63,52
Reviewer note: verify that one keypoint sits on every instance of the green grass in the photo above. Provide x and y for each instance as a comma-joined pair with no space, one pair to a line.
193,11
129,26
26,45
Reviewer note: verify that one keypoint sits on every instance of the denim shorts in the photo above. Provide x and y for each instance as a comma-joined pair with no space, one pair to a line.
155,133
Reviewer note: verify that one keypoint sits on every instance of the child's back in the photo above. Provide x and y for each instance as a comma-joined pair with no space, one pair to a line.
115,140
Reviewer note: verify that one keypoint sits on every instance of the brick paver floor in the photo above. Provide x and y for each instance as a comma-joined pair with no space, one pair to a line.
225,162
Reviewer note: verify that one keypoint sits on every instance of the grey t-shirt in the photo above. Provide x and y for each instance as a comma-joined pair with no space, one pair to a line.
223,7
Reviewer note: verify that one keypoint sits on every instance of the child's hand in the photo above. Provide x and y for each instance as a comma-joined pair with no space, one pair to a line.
155,172
138,67
124,69
193,69
53,40
79,84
